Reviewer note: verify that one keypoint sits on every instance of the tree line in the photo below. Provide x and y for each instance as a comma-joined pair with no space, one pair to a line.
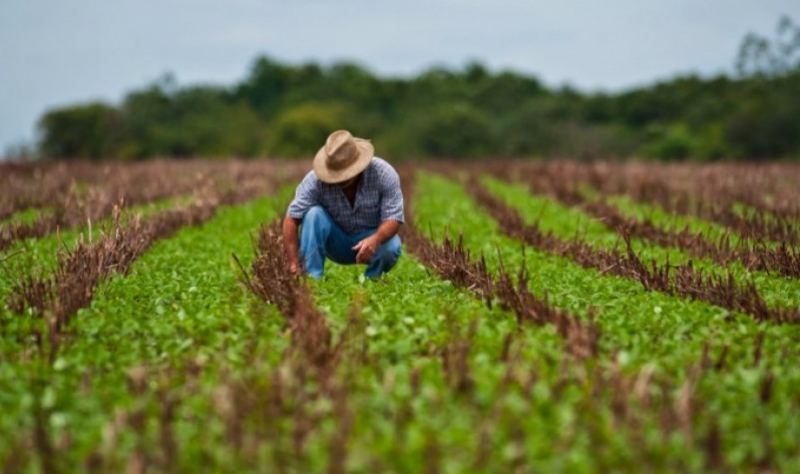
283,110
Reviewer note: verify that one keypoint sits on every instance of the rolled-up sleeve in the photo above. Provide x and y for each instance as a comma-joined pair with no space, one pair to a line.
306,196
392,197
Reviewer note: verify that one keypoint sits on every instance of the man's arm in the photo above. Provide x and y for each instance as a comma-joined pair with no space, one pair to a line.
305,197
367,247
291,243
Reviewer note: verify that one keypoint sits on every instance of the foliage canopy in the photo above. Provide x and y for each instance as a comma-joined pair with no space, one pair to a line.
287,110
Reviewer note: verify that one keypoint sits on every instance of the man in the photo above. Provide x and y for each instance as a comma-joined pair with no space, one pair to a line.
348,208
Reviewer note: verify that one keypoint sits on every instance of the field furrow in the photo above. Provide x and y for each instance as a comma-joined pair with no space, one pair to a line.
147,184
41,254
697,237
407,332
760,203
519,332
180,301
571,231
757,203
455,264
782,259
566,283
639,325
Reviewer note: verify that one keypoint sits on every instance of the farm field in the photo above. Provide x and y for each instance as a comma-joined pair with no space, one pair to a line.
545,317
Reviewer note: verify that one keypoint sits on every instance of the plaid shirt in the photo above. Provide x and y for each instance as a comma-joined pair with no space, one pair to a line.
379,198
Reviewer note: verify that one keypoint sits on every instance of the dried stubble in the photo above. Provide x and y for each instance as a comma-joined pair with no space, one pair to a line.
274,417
56,298
712,192
754,251
451,261
113,185
683,280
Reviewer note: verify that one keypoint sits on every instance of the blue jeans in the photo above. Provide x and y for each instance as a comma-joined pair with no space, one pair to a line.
321,238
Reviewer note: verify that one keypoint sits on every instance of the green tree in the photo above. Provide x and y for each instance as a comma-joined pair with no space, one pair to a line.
766,127
288,110
265,85
456,131
84,131
300,131
673,142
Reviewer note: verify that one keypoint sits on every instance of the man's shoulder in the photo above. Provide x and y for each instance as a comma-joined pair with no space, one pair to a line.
382,169
309,185
380,164
310,179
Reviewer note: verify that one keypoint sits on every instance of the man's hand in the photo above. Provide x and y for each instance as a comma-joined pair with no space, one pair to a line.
295,268
366,248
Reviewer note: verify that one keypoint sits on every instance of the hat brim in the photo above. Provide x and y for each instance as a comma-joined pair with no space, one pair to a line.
365,153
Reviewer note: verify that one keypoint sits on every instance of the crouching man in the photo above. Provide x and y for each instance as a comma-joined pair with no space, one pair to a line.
348,209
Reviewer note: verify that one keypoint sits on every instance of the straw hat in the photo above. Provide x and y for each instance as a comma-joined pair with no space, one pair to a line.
342,157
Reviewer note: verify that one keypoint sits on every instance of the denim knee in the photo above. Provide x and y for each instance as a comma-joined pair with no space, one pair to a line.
389,252
391,248
317,217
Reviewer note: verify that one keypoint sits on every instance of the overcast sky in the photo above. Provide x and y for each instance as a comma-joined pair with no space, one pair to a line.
56,52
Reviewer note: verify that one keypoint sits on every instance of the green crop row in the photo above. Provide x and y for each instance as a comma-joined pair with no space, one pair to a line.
26,216
711,230
570,223
41,253
411,312
176,367
181,301
641,329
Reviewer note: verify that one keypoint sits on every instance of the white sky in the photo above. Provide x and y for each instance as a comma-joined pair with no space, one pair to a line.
56,52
